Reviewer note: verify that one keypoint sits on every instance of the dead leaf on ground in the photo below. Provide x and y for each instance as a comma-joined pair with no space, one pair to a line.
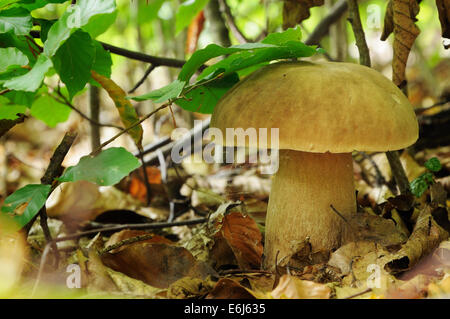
400,18
244,238
156,264
426,236
130,233
295,11
188,288
291,287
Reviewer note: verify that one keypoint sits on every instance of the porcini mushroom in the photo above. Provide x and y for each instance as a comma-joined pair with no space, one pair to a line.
324,111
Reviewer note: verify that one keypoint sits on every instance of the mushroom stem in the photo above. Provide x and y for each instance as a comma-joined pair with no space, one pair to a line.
303,189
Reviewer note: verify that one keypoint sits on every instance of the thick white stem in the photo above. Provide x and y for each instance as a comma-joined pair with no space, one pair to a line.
303,189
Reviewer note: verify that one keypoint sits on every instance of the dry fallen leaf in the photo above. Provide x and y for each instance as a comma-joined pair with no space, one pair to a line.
244,238
295,11
156,264
188,287
291,287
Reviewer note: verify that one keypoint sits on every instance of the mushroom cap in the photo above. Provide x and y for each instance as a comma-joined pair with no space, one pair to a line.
320,107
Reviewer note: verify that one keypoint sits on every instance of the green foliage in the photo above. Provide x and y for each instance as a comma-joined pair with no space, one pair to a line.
433,164
25,203
32,80
50,111
73,61
102,61
421,183
187,11
168,92
107,168
11,58
8,110
15,19
76,17
215,80
204,98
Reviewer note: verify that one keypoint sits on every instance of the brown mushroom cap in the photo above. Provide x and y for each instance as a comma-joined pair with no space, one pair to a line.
320,107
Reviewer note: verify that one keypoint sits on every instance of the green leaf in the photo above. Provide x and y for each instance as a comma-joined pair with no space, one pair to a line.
15,19
20,97
32,80
246,59
433,164
19,42
9,111
107,168
211,51
204,98
421,183
76,16
100,23
39,4
187,11
11,57
149,11
102,61
168,92
4,3
25,203
280,38
50,111
74,61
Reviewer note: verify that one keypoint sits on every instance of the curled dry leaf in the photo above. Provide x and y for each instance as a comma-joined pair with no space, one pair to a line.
156,264
291,287
244,238
193,32
444,16
400,19
295,11
426,236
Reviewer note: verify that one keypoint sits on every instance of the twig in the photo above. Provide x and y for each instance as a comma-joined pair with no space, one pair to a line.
124,242
54,170
398,172
157,61
355,21
142,80
225,9
94,107
69,104
129,128
394,161
322,28
359,293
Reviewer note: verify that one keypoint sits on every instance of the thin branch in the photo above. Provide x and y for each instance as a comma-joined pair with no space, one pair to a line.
355,21
69,104
142,80
226,11
393,158
157,61
322,28
129,128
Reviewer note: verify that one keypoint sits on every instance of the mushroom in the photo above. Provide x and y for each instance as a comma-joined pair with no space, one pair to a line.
324,111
